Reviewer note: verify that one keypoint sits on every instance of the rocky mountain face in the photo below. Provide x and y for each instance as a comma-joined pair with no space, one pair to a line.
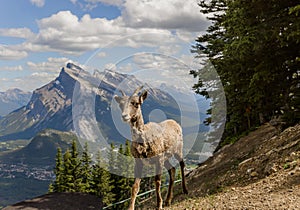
49,107
13,99
54,105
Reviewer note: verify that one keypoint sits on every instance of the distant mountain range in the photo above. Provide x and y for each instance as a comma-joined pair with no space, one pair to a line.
52,106
13,99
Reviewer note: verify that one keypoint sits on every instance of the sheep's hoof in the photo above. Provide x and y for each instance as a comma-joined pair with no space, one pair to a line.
167,203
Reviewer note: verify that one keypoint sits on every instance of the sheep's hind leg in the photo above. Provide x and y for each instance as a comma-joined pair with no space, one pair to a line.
182,165
158,184
171,171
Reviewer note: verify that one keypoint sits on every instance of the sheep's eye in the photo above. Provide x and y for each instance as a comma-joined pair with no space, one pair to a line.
135,104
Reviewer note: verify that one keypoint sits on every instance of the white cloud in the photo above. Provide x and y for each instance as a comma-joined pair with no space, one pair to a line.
42,73
8,53
101,54
127,68
37,79
66,33
109,2
150,23
159,61
169,49
38,3
73,1
167,14
51,65
11,68
16,32
110,66
187,36
158,69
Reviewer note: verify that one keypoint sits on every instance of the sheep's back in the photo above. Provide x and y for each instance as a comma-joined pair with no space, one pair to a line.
165,136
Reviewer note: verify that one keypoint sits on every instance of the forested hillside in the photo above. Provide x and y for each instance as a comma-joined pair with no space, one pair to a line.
75,171
255,48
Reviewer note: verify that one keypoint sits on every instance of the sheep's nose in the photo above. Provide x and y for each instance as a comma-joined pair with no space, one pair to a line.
125,117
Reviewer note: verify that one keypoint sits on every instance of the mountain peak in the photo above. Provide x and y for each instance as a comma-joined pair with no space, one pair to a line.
15,90
12,99
51,105
74,67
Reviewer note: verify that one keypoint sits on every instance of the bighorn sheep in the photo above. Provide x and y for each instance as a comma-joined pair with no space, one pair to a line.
153,143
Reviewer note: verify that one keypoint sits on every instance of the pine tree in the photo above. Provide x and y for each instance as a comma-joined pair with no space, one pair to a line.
75,167
112,158
85,170
129,162
101,183
129,169
68,185
58,184
254,47
122,184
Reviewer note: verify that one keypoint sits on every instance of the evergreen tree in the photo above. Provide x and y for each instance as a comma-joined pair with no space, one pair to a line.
86,170
254,47
71,170
68,184
129,162
101,183
75,167
58,184
122,183
112,158
112,167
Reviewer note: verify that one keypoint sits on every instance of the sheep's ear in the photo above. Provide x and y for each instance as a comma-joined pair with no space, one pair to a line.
117,98
143,96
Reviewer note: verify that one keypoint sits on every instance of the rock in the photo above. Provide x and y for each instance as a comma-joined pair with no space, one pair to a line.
254,174
245,162
250,170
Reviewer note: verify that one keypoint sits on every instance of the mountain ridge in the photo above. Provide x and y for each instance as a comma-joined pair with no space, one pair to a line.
13,99
52,105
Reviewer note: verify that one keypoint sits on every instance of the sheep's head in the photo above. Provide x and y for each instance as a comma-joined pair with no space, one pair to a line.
131,105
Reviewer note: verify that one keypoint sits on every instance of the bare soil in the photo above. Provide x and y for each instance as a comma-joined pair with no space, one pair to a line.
260,171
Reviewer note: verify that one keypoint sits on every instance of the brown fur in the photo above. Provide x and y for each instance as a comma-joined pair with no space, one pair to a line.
154,143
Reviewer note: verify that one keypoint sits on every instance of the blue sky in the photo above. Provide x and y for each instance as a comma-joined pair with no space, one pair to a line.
38,37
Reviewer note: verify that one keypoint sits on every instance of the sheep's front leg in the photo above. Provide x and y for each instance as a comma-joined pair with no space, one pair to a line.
157,185
134,191
136,185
